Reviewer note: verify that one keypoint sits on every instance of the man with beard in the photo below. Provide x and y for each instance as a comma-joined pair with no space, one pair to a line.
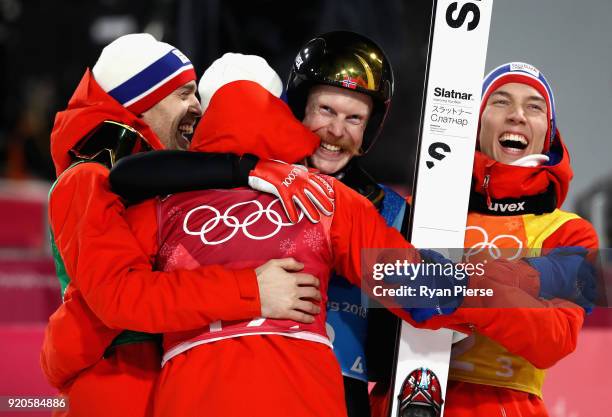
341,85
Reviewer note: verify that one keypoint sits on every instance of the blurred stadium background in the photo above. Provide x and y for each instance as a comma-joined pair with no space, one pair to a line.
46,46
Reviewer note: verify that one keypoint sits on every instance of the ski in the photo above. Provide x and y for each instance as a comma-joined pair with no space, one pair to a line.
458,39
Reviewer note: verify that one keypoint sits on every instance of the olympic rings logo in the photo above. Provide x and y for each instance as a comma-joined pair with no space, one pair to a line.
494,251
232,222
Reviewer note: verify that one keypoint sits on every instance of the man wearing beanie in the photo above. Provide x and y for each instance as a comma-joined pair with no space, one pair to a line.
139,96
521,163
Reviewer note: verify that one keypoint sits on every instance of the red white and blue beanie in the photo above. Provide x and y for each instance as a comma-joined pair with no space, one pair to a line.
520,72
139,71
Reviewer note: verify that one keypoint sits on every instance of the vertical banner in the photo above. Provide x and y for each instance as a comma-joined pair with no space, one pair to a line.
456,63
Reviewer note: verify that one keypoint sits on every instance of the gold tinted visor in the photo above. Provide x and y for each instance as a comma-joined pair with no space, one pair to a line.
361,69
110,142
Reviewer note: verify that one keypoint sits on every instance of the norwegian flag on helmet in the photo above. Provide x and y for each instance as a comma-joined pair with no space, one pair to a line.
349,82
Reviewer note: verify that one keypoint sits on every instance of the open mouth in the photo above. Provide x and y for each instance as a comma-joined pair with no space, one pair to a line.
331,148
513,141
185,129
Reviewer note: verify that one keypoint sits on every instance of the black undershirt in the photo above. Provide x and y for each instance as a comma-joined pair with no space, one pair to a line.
157,173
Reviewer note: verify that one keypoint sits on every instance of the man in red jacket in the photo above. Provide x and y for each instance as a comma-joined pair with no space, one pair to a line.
140,95
521,162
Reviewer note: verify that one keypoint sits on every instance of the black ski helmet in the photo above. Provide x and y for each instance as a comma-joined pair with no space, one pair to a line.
346,60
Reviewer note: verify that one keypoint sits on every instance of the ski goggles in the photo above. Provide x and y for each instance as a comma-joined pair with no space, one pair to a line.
109,142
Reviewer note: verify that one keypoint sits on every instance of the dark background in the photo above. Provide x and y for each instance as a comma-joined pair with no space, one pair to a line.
46,46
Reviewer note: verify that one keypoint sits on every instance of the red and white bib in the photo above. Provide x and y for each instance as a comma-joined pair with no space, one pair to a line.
239,228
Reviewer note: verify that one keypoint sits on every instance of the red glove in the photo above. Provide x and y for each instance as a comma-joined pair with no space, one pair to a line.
515,273
295,187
